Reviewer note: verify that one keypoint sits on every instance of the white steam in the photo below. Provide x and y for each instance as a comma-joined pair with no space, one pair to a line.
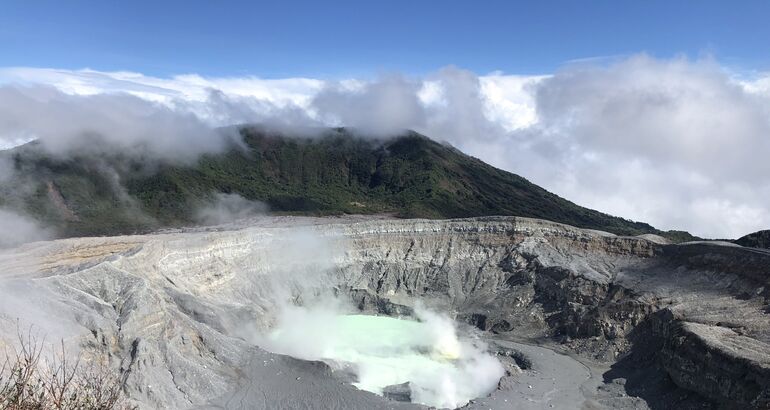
25,305
227,208
443,370
16,229
305,314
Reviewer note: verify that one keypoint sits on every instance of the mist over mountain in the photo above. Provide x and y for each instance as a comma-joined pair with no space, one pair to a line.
336,172
677,142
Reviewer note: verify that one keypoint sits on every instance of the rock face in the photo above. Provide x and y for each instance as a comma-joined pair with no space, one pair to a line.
176,312
717,362
398,392
760,239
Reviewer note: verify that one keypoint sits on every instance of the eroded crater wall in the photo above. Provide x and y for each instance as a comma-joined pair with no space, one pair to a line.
174,311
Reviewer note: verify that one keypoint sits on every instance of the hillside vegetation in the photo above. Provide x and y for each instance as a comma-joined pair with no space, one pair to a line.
337,173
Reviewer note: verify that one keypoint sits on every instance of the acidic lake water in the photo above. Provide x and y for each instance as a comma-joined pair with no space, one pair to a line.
443,370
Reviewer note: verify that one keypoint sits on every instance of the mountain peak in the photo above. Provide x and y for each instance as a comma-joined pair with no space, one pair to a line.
337,172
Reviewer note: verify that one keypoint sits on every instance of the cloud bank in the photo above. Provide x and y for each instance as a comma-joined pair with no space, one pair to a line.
678,143
68,124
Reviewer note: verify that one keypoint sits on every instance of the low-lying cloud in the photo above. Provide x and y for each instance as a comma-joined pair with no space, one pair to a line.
380,108
68,124
678,143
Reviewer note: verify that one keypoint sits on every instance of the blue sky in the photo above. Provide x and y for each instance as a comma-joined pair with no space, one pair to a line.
359,38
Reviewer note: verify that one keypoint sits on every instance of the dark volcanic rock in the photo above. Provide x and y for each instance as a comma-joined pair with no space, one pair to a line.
760,239
522,361
398,392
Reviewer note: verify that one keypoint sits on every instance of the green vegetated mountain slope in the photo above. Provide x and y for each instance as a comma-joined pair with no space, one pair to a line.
409,176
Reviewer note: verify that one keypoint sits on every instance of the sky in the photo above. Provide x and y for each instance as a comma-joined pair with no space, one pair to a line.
357,38
654,111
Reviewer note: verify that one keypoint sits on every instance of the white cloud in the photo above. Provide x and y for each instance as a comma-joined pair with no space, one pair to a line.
678,143
381,108
68,124
191,87
510,100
